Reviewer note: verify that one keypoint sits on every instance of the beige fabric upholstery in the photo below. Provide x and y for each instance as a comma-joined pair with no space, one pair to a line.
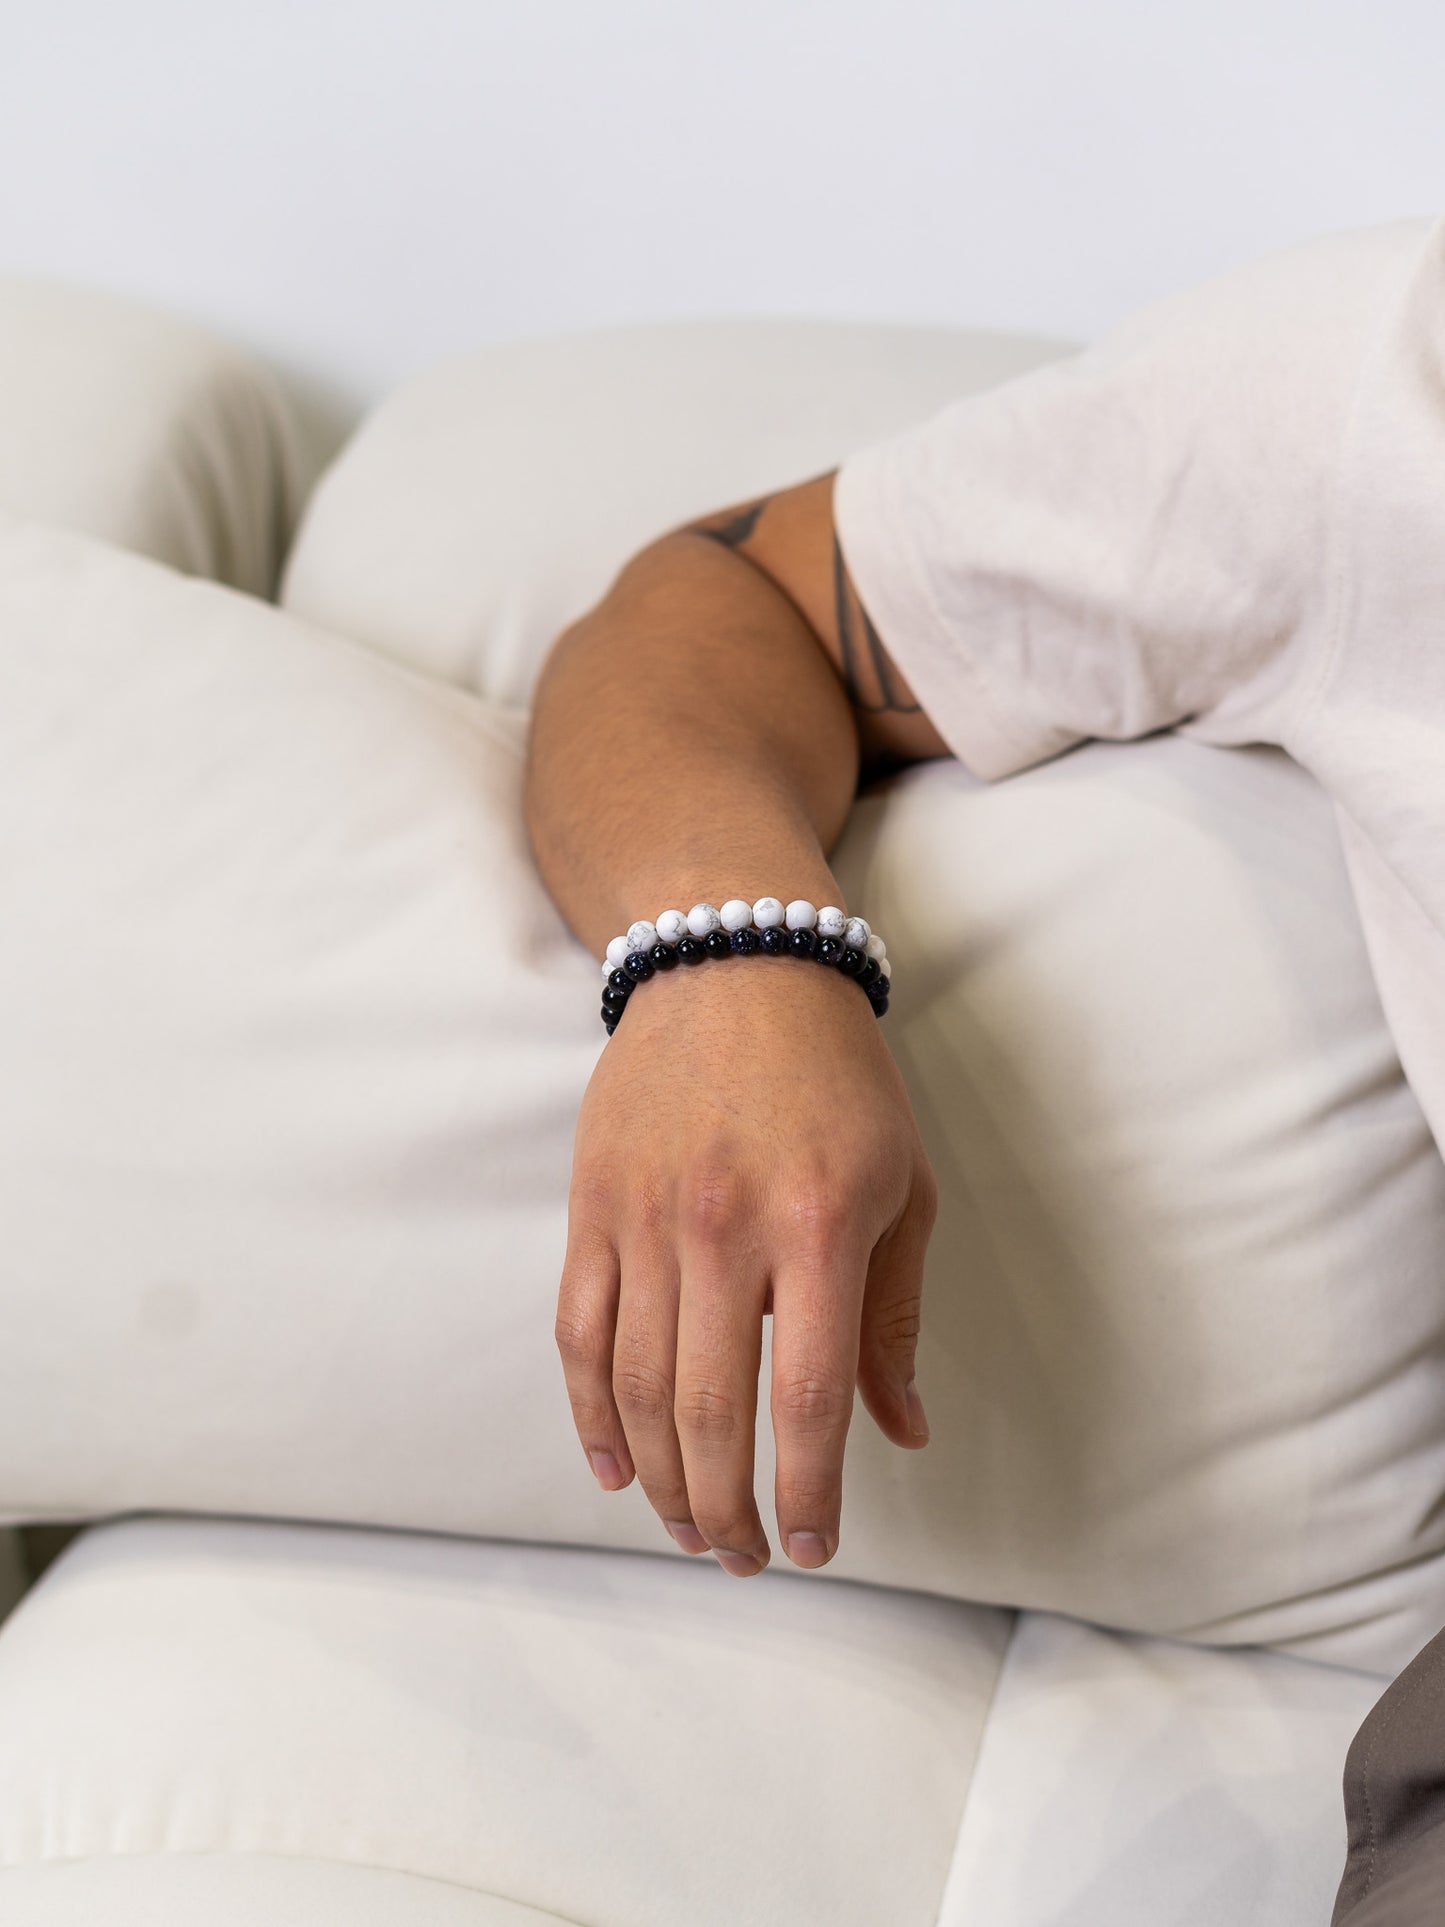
141,428
600,1737
295,1041
243,1723
484,504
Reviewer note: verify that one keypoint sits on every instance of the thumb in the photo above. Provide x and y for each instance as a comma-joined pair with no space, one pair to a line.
888,1337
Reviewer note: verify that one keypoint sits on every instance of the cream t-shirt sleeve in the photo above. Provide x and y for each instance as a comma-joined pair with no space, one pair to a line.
1135,538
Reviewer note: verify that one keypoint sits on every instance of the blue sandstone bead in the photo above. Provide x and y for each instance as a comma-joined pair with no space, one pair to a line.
773,940
638,965
745,942
831,950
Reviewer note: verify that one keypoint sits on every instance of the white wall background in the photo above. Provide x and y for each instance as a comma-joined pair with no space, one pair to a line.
358,186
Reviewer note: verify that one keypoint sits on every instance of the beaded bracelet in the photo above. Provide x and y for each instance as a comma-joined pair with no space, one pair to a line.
826,936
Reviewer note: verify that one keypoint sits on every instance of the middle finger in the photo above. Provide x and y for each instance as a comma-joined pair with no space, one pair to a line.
723,1287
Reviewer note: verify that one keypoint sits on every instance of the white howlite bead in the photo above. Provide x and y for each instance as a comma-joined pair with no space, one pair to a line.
876,949
831,921
800,914
857,934
608,967
671,926
735,914
768,912
618,951
703,919
885,969
641,935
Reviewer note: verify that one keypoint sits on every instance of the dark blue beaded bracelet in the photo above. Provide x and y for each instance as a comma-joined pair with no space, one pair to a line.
773,940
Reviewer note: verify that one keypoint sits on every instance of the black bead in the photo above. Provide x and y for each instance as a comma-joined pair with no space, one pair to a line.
621,983
639,965
878,988
880,1004
717,943
745,941
664,956
868,973
609,1027
830,950
803,943
773,940
690,949
613,1003
851,961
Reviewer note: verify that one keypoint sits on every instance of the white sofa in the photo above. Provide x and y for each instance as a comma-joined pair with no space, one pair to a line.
292,1042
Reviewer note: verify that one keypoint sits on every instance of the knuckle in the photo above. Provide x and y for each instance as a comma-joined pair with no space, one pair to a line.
713,1199
926,1192
817,1213
811,1401
707,1414
722,1525
642,1392
591,1199
648,1205
580,1339
897,1328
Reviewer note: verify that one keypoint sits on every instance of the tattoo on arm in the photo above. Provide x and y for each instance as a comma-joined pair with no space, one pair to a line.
734,530
871,647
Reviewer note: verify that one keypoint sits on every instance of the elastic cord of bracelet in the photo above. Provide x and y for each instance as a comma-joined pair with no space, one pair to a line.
769,927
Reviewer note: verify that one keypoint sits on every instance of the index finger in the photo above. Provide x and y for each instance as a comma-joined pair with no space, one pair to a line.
817,1319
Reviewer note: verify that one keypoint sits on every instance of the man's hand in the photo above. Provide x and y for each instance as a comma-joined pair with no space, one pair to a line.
745,1145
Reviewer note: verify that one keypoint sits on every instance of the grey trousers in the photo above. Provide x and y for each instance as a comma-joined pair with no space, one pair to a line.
1395,1804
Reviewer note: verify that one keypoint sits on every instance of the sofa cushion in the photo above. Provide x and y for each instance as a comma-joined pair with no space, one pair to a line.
227,1722
601,1737
294,1042
146,430
487,502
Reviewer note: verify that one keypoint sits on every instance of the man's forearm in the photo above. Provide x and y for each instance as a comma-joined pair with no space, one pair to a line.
689,740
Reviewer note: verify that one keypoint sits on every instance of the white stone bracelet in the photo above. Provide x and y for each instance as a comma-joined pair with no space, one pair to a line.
827,936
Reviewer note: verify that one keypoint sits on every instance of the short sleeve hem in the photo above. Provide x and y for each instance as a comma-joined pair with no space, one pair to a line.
990,737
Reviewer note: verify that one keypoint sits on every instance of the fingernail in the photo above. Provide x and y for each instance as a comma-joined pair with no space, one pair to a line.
807,1548
741,1565
686,1535
917,1423
609,1472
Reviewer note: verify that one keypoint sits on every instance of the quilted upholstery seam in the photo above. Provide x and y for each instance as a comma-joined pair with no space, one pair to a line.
269,1853
983,1725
